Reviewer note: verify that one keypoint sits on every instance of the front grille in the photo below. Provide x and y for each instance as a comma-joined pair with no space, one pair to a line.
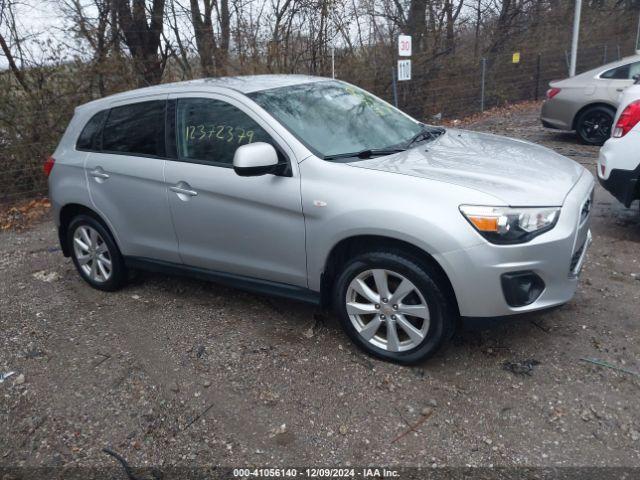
575,259
586,208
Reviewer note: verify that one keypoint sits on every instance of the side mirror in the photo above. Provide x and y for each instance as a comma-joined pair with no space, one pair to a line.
255,159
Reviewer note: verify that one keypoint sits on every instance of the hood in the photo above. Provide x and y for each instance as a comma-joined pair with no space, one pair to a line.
517,172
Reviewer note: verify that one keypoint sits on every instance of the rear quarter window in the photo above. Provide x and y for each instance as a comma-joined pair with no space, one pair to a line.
136,129
91,135
619,73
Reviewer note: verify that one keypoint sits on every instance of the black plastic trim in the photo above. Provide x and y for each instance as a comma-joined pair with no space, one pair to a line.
279,169
482,323
514,295
171,149
255,285
623,184
63,242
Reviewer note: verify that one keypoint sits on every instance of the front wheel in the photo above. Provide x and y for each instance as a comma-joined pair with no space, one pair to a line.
393,307
593,126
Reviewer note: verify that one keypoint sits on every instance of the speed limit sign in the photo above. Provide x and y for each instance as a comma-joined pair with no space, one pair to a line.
404,45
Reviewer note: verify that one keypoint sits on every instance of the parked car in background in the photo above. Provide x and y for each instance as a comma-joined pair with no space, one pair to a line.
587,102
619,159
314,189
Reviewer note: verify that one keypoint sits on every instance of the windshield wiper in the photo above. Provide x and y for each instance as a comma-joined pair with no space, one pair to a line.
368,153
428,133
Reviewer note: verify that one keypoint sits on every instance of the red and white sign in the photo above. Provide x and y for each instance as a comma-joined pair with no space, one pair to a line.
404,45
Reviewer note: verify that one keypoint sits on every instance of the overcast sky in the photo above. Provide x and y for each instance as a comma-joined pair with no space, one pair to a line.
36,19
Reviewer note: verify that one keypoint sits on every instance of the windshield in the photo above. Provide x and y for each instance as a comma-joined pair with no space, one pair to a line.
333,118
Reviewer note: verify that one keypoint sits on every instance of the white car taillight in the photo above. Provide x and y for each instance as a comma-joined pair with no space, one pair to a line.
629,117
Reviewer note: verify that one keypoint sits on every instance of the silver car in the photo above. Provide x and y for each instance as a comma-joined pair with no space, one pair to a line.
316,190
587,102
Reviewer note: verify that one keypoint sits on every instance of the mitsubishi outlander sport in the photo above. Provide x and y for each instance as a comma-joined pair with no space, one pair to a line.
314,189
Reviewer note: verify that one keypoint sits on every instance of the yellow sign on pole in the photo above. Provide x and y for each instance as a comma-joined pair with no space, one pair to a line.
516,57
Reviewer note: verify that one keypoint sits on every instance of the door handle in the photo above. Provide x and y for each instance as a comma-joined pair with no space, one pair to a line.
183,190
619,89
99,173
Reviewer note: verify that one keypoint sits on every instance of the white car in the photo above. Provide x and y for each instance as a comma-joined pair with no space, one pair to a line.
619,160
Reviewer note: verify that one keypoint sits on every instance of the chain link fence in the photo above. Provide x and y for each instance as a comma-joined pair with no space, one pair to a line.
442,87
458,87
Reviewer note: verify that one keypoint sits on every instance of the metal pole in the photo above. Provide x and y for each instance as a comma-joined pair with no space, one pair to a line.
333,61
566,59
574,38
537,76
619,57
484,67
395,86
638,37
605,55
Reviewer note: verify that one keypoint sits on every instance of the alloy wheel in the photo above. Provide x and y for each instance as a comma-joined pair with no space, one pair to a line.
92,254
387,310
596,127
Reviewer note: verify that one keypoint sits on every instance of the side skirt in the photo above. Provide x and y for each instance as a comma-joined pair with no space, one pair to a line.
240,282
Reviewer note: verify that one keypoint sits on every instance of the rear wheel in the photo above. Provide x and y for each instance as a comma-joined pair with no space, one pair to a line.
393,307
95,254
593,126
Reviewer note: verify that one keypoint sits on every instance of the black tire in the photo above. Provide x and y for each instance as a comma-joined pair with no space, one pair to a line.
118,275
443,316
593,125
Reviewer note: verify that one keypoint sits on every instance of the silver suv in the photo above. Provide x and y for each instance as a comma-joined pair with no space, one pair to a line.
314,189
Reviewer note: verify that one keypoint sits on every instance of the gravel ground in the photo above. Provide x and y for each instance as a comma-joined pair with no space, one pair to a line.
173,371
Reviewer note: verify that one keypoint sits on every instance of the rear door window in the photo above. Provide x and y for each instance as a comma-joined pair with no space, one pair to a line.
91,137
136,129
211,130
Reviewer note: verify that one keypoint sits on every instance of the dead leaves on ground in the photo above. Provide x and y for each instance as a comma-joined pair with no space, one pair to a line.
503,111
22,215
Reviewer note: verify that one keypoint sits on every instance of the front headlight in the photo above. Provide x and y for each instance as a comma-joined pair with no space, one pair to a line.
507,225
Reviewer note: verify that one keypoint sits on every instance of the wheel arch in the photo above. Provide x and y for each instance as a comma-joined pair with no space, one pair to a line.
610,106
67,214
354,245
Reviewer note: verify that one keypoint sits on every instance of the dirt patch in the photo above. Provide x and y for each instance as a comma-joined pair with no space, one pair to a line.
173,371
23,214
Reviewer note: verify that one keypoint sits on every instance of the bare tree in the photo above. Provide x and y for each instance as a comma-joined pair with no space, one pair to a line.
7,19
213,49
143,37
95,31
182,54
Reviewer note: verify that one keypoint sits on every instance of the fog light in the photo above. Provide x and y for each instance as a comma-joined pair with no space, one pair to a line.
521,288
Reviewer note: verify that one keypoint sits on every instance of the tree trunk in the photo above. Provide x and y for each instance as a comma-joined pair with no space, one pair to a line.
205,41
416,24
222,52
142,38
14,68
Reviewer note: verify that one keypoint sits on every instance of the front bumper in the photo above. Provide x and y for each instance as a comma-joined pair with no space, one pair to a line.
555,256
